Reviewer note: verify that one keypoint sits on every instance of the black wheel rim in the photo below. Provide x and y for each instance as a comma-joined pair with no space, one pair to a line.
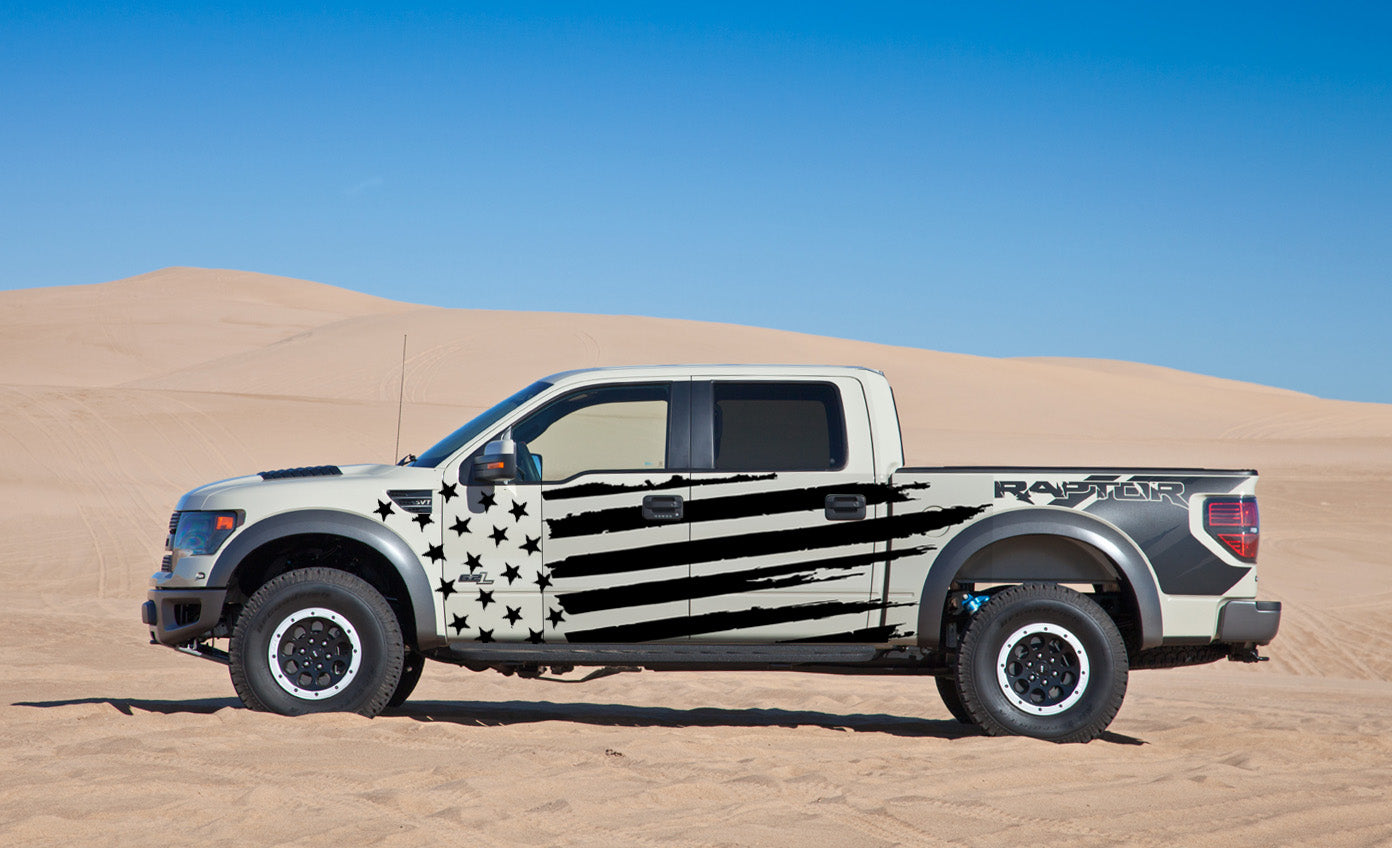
314,653
1043,669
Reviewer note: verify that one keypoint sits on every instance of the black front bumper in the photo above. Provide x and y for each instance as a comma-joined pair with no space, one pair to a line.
179,616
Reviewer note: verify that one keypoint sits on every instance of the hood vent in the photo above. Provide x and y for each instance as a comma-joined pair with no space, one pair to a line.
315,471
417,501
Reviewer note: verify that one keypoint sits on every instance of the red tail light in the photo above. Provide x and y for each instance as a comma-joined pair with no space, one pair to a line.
1234,522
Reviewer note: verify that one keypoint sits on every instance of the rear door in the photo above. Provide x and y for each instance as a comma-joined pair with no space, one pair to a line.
783,541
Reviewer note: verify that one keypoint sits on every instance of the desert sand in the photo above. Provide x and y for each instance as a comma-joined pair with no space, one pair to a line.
118,397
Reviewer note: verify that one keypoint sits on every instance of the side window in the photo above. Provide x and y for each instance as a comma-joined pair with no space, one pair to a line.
778,427
610,428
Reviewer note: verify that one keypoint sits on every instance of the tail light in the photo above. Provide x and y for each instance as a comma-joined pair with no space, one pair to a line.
1234,522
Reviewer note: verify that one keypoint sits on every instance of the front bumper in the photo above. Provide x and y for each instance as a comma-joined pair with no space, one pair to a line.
1248,622
179,616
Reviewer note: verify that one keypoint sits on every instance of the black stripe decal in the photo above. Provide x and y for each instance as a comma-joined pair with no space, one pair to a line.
594,490
830,535
714,622
630,517
866,634
711,585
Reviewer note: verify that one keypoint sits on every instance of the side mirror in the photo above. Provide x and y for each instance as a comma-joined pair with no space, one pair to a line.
497,463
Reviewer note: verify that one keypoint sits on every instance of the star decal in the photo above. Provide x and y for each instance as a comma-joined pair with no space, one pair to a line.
487,501
485,636
460,622
384,508
513,614
532,546
436,553
448,491
460,525
485,598
472,561
499,535
423,520
518,510
511,573
556,617
542,581
446,587
534,636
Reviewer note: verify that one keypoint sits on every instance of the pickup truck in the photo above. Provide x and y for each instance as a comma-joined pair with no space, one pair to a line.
713,517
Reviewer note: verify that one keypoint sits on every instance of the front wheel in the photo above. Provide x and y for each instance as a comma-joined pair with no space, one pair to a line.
317,640
1043,661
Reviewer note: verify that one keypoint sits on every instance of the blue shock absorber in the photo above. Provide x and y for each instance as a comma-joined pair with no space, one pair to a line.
972,603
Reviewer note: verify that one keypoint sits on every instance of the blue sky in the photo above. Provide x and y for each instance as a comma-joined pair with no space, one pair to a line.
1202,186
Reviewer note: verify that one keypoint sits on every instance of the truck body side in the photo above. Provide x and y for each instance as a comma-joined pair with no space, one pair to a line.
756,516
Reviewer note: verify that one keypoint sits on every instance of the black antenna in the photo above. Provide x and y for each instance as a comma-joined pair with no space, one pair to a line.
400,399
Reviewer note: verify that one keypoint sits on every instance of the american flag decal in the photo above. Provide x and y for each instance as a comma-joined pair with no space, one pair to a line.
753,554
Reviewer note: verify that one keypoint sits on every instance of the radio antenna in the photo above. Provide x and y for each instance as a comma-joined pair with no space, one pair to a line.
400,399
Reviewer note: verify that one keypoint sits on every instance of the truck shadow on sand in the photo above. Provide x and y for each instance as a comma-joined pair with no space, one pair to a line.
128,706
506,713
501,713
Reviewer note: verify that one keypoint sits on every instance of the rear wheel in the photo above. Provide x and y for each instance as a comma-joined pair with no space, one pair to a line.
952,699
1043,661
317,640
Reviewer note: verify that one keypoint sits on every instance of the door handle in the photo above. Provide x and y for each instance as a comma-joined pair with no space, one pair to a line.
662,507
845,507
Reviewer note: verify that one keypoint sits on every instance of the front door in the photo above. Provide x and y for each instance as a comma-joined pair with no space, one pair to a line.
564,552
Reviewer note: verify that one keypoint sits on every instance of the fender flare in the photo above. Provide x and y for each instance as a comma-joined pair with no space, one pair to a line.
350,526
1067,523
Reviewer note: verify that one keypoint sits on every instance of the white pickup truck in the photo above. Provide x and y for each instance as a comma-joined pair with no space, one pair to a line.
713,517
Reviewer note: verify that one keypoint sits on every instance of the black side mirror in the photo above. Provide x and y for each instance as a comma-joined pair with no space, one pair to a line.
497,463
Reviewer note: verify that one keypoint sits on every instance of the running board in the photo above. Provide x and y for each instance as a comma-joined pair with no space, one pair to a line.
202,650
675,657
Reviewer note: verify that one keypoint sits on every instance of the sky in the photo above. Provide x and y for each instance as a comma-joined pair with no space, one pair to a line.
1195,185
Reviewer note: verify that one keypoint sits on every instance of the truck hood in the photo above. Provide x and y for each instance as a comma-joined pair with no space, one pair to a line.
301,484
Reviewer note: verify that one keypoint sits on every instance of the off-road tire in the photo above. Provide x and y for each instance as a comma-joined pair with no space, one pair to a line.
316,640
952,698
1044,661
411,670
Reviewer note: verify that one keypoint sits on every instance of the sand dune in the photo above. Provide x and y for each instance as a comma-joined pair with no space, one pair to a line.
118,397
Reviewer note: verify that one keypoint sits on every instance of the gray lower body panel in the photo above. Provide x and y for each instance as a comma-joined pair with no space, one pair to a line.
1248,622
179,616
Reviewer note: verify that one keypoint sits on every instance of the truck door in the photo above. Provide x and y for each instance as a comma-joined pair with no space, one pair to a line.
613,466
574,549
782,518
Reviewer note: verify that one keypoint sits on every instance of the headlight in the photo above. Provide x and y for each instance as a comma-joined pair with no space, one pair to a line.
202,533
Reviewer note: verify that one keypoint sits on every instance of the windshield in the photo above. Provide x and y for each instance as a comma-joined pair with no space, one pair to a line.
456,440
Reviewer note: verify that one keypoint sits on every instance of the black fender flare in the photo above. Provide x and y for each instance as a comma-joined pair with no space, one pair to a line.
1067,523
348,525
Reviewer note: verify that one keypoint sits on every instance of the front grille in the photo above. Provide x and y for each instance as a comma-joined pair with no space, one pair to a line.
418,501
167,564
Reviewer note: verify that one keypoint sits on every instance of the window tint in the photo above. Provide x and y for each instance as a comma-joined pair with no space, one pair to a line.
611,428
778,427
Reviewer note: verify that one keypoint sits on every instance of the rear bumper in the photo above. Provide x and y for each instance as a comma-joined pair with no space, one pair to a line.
1248,622
179,616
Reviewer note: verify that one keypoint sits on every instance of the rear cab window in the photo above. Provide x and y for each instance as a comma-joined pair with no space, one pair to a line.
773,426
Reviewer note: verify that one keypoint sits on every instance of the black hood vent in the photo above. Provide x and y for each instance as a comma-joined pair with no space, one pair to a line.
315,471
